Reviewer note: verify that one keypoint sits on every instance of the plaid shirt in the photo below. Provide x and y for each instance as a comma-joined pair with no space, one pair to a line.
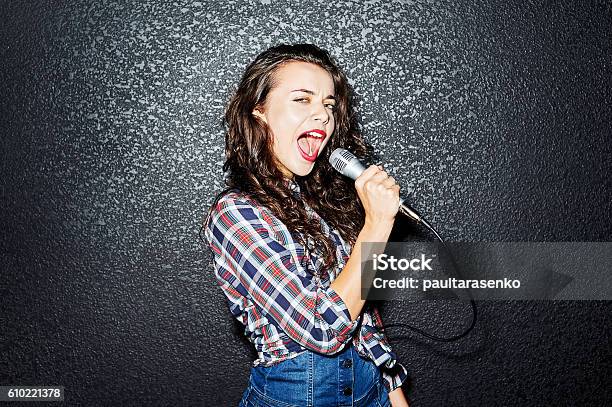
286,309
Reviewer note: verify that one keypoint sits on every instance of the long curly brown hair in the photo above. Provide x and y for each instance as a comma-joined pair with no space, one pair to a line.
250,164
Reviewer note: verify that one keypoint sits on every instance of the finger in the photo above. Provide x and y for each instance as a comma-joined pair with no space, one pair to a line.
371,170
389,182
380,176
393,192
366,175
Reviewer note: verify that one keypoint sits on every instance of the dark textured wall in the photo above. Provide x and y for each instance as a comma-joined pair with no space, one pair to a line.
494,116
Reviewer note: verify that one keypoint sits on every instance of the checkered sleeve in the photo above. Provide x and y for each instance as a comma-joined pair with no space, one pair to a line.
252,261
395,375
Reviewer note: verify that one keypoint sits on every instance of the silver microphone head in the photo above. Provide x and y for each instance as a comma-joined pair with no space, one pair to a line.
346,163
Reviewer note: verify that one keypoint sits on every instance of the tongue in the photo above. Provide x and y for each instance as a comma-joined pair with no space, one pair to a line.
308,144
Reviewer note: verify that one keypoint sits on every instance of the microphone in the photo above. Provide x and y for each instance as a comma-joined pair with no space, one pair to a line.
348,165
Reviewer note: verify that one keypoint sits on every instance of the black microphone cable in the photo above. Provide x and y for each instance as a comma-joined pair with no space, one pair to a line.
472,302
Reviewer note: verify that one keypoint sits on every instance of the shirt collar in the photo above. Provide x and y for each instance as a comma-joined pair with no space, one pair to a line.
293,186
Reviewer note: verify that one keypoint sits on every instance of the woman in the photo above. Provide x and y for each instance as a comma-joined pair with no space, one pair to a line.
282,231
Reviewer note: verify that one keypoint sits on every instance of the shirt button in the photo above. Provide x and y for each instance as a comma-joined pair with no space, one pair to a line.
347,391
347,363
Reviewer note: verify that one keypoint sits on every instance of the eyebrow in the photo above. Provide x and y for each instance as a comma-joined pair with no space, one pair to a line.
312,93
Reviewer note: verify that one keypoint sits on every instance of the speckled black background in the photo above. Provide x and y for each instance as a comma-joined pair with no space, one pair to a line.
495,117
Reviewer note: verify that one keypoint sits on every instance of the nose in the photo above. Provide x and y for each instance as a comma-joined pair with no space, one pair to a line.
321,114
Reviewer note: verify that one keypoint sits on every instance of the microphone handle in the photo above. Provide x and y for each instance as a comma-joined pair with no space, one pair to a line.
405,209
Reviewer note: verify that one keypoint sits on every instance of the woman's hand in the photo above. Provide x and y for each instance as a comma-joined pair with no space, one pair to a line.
397,398
379,195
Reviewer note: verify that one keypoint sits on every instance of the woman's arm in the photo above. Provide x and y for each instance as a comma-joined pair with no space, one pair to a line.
379,196
397,398
258,269
348,282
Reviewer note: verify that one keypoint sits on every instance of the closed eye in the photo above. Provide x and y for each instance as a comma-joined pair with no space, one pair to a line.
329,105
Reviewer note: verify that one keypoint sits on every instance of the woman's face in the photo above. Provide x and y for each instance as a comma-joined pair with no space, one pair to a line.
300,113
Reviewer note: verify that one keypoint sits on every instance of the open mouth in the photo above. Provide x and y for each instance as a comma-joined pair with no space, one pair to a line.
309,144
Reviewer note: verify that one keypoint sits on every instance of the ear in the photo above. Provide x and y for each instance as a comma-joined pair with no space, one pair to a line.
257,113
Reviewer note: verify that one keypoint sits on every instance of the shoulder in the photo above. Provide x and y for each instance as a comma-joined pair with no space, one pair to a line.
236,202
236,208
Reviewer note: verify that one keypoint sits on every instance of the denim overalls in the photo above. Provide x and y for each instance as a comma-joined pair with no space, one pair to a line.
315,380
